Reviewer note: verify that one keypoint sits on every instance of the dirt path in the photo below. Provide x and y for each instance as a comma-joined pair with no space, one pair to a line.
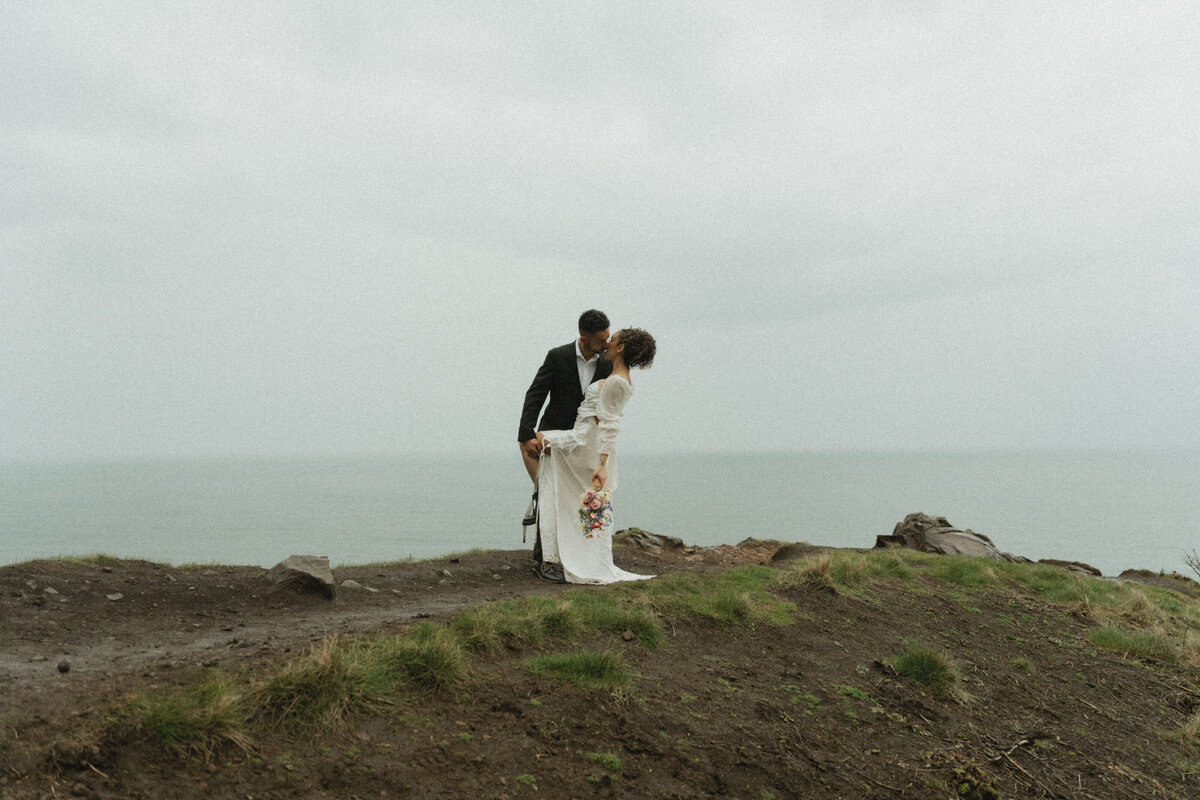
68,626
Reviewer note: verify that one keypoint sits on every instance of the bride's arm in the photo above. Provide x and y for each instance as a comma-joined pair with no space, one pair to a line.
600,474
613,396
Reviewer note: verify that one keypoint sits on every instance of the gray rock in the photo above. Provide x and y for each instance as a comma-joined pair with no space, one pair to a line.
793,552
1167,580
303,575
652,541
1072,566
355,585
49,590
936,535
115,596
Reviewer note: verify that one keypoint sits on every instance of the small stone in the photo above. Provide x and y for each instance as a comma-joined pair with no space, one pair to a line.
397,591
496,576
351,585
50,590
115,596
443,582
628,636
446,572
64,666
107,569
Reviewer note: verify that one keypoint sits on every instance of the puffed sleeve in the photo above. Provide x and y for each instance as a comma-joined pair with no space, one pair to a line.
613,395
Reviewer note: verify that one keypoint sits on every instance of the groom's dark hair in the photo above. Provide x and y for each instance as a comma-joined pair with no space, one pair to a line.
592,321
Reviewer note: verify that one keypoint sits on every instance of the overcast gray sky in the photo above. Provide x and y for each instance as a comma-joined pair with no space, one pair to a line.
249,228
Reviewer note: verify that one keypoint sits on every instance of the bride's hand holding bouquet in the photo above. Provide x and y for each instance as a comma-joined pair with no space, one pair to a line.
595,511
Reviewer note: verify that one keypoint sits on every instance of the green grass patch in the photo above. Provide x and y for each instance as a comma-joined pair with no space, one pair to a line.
930,668
850,691
737,596
322,687
518,624
429,658
198,719
741,595
1147,645
852,574
608,761
589,669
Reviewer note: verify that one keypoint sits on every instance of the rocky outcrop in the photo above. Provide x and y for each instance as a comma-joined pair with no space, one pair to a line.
1167,580
654,542
1073,566
936,535
303,575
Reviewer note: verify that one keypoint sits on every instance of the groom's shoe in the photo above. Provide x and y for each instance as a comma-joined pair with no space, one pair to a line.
531,512
549,572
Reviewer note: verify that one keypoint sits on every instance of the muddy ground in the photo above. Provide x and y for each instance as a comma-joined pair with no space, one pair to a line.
807,710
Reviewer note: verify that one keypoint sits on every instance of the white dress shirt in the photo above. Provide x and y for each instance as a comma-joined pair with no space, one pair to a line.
587,367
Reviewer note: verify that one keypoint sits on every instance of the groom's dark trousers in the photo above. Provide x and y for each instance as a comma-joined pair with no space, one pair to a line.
558,378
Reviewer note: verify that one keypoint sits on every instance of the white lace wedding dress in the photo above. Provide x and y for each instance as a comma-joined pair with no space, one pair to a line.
565,473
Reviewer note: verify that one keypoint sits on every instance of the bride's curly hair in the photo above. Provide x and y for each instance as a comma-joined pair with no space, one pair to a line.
639,347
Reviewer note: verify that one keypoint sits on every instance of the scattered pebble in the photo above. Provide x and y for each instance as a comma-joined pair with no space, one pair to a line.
627,636
115,596
446,572
50,590
64,666
496,576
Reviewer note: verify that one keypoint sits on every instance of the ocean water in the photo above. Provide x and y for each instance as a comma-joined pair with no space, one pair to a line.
1112,510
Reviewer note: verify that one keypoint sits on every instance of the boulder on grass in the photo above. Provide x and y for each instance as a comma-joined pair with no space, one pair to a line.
653,542
936,535
309,575
1072,566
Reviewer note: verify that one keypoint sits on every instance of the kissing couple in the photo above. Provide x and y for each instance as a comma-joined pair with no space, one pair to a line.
573,449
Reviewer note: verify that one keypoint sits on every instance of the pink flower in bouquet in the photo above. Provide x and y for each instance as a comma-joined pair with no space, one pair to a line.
595,504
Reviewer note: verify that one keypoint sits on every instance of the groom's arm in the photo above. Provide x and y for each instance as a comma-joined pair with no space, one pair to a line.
535,398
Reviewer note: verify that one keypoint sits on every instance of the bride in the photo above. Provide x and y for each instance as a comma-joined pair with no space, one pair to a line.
583,457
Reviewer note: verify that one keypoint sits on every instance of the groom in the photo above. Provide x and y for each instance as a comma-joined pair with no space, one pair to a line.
563,376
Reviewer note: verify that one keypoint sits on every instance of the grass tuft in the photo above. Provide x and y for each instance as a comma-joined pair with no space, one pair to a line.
929,668
321,687
429,658
590,669
197,719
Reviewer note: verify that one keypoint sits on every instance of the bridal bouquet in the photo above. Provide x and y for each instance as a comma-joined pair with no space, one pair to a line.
595,511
